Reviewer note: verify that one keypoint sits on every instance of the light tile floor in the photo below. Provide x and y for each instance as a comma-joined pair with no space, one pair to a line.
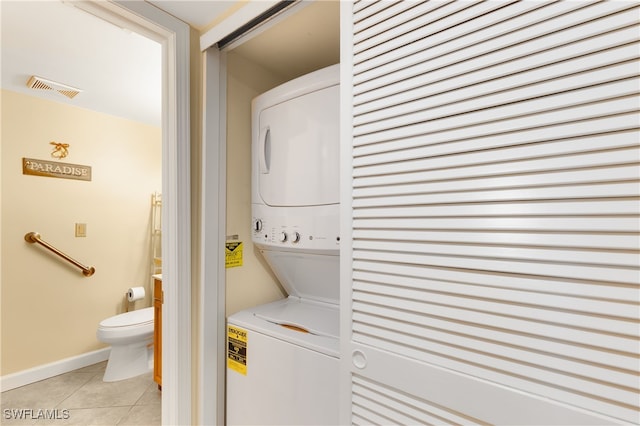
80,397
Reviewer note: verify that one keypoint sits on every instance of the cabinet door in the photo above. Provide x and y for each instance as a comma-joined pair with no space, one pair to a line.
491,272
157,331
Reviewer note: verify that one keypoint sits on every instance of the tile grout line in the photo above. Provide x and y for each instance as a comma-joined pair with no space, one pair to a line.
90,378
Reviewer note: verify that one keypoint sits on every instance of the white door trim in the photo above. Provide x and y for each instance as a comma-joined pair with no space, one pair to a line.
174,36
212,320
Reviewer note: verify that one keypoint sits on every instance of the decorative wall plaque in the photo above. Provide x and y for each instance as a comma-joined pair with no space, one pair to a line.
46,168
60,150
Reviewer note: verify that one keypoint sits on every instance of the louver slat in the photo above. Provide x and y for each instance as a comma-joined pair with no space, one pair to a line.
496,206
399,408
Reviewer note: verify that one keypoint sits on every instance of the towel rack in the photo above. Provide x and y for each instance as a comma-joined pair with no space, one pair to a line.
34,237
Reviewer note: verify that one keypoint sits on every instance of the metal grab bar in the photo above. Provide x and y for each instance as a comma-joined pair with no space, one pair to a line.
34,237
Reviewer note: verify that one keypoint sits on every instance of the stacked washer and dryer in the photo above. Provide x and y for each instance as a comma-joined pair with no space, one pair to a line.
283,356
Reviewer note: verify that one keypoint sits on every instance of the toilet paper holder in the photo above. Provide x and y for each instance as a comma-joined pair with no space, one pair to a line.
135,293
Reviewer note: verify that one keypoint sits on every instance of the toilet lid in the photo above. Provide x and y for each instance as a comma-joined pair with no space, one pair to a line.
141,316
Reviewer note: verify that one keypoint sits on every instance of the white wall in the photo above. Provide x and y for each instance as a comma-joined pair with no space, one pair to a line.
50,311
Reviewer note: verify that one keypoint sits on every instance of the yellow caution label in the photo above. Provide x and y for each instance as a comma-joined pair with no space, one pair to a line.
233,254
237,349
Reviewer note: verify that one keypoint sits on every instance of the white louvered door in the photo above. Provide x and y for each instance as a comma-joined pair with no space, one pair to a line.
490,263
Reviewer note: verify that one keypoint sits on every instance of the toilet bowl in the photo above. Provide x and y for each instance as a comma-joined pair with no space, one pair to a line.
130,336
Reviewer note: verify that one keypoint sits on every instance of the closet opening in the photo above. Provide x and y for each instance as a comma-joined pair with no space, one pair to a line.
300,40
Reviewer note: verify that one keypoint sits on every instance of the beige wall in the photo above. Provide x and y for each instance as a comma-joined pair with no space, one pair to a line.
253,283
50,311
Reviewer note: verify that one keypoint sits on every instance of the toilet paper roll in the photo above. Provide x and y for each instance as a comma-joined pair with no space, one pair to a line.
135,293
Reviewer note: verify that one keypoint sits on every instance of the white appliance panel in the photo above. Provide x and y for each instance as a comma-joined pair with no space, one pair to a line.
314,229
308,276
318,317
298,150
287,382
284,385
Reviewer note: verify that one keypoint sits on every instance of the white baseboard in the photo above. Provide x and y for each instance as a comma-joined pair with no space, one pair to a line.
41,372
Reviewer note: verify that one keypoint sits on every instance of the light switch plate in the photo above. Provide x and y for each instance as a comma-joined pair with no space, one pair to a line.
81,229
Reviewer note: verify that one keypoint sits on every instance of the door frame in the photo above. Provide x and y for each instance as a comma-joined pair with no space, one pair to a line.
212,286
174,36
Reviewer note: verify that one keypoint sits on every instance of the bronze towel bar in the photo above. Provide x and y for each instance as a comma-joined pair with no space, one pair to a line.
34,237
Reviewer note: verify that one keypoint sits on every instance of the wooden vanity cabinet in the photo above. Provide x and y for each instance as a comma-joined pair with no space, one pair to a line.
158,298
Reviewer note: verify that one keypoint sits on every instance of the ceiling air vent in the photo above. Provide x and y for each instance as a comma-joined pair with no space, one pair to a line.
40,83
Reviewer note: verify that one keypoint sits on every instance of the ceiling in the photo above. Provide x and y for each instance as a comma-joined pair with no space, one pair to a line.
306,41
118,71
199,14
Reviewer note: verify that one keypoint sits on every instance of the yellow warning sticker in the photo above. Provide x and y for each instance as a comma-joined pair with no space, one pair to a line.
233,254
237,349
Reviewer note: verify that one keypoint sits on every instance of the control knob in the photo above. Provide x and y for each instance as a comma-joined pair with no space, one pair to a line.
295,237
283,237
257,225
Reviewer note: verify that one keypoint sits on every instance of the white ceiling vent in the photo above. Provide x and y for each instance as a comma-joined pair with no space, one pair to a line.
40,83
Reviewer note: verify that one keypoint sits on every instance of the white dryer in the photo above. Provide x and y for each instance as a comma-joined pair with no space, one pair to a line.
282,357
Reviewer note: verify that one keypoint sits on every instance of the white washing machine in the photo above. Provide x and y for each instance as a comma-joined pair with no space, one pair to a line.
283,357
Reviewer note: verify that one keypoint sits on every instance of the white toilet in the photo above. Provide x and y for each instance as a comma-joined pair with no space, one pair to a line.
130,336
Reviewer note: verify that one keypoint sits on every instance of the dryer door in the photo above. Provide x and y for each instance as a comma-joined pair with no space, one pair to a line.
298,150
